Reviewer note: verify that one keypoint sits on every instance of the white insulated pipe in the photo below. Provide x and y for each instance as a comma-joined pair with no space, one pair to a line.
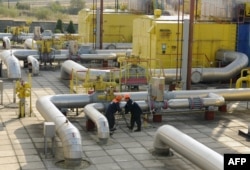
68,66
67,132
110,56
237,61
12,64
242,94
92,112
29,43
211,100
7,43
34,64
48,107
2,35
167,137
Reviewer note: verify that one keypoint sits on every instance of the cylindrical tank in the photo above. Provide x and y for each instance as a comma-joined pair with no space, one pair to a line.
139,6
37,33
158,84
73,47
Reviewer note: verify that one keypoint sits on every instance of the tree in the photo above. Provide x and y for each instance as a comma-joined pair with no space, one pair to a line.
71,28
59,26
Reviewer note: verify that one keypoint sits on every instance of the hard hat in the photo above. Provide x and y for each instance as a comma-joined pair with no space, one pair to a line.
118,98
127,96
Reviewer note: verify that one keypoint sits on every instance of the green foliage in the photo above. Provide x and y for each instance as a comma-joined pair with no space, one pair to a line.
57,31
71,29
22,6
56,7
76,6
9,12
42,13
52,11
59,26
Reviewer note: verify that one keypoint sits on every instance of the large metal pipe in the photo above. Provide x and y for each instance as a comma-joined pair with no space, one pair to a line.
6,43
109,56
29,43
237,62
48,107
2,35
12,64
167,137
242,94
34,64
92,112
81,71
192,103
67,132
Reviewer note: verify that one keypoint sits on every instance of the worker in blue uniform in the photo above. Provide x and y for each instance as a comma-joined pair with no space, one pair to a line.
113,108
135,112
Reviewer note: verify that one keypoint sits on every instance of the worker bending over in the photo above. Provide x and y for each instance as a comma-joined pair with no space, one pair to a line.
135,111
113,107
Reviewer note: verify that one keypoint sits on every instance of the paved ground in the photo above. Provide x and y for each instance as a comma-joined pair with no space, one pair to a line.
22,141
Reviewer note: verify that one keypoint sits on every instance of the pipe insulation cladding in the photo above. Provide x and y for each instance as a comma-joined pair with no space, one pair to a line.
67,132
167,137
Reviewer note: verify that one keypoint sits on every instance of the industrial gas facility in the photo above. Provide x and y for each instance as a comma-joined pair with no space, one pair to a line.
185,62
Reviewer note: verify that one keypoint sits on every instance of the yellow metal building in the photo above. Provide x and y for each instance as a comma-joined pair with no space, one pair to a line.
160,39
117,26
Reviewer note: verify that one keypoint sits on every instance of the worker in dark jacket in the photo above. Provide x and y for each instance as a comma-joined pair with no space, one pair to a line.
135,111
113,107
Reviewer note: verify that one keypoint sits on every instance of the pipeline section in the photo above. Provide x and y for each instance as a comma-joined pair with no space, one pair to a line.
12,64
48,107
167,137
67,132
6,43
34,64
99,119
237,62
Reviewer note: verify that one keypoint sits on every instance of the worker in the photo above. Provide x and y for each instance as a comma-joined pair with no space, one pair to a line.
135,111
113,108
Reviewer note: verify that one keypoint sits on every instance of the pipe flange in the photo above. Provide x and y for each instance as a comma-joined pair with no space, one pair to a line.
196,77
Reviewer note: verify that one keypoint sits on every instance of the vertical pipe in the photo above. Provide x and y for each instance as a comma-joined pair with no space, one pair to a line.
101,23
190,44
184,66
178,38
93,20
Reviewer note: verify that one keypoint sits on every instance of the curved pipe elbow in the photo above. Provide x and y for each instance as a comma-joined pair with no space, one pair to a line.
240,80
6,41
99,119
67,132
34,64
